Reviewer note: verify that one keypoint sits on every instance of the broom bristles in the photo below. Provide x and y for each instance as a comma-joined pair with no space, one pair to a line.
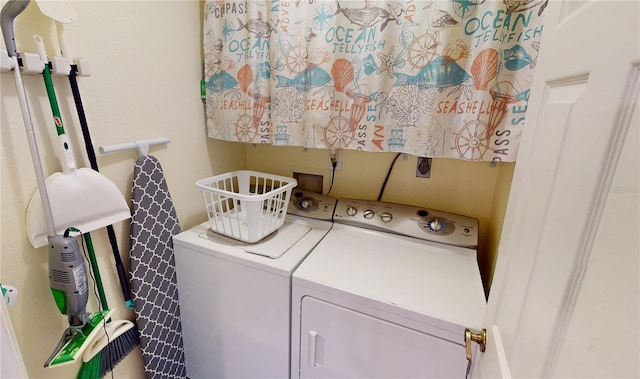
117,349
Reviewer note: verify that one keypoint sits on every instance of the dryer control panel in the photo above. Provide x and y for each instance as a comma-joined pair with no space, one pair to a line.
313,205
408,220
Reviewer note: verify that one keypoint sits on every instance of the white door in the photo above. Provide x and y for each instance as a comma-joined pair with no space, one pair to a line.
565,299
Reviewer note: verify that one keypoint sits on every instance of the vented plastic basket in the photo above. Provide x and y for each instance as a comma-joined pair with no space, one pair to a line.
246,205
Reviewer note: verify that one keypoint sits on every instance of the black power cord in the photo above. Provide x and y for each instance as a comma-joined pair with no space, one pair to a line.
384,184
334,163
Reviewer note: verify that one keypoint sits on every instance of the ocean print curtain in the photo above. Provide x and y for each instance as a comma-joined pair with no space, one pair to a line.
429,78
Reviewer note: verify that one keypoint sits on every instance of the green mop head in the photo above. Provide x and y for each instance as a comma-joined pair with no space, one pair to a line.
75,341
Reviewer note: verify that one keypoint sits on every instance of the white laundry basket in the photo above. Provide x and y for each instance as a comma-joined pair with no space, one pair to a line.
246,205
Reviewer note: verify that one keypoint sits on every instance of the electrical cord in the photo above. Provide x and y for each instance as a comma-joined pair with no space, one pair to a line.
334,163
384,184
66,234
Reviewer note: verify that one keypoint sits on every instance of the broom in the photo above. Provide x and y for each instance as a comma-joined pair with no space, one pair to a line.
122,336
118,339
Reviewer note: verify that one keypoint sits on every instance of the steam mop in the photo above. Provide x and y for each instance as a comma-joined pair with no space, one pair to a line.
67,270
69,285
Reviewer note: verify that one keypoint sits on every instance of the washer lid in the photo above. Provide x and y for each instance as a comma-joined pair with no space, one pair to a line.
275,247
291,243
397,274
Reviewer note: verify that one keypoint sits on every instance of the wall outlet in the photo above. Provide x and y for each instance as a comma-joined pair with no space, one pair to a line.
424,167
338,153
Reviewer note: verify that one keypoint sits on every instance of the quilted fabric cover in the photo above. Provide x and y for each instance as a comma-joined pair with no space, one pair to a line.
153,275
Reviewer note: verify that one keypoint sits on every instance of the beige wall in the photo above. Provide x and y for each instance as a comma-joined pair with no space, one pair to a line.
494,230
146,66
474,189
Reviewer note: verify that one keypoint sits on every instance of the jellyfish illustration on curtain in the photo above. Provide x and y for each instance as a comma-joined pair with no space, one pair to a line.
436,78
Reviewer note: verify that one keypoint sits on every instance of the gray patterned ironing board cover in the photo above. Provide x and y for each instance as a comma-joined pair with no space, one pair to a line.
153,275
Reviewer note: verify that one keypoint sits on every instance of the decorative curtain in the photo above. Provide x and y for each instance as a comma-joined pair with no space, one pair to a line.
429,78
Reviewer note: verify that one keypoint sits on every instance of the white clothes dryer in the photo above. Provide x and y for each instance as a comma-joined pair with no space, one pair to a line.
235,297
388,293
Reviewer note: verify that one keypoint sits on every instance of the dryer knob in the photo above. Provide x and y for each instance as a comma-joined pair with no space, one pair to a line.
434,225
386,217
351,211
368,214
305,204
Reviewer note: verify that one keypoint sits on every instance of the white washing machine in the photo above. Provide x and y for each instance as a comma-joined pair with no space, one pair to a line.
235,298
388,293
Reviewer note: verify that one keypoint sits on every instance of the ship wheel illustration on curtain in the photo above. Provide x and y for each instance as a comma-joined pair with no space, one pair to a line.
253,108
341,130
438,78
472,140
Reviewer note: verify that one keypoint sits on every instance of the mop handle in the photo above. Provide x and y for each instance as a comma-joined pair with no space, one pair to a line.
66,151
